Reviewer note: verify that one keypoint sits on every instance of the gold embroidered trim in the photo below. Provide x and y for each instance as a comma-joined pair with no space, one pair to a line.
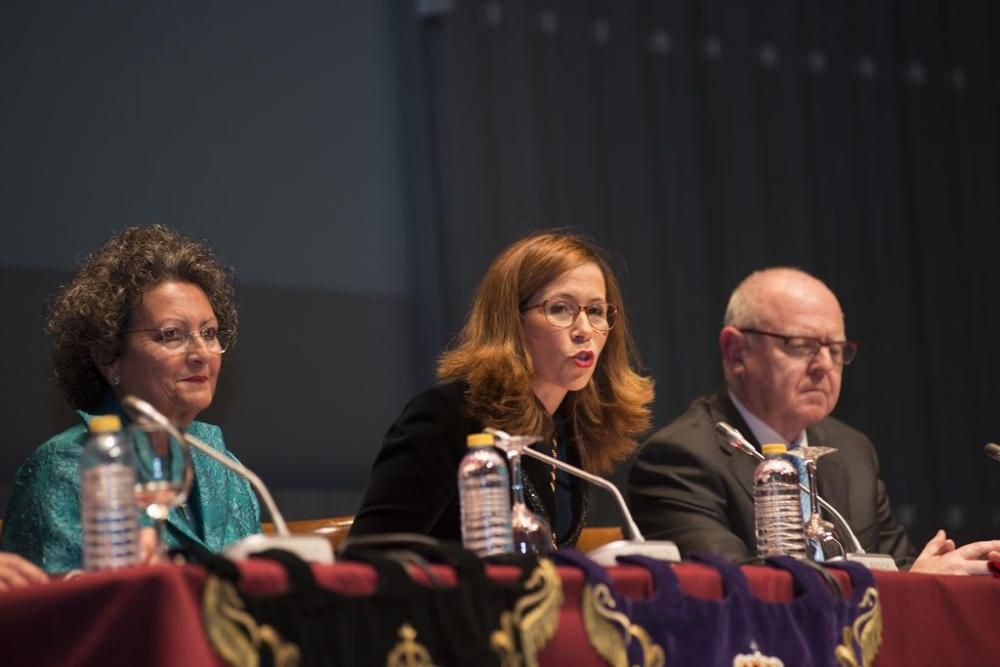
235,634
756,659
408,652
610,632
866,631
535,617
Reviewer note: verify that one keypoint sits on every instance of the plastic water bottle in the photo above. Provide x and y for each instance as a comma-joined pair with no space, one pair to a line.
109,515
777,505
484,493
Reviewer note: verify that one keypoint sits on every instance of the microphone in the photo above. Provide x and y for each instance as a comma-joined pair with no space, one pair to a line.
605,555
857,553
992,450
308,547
736,439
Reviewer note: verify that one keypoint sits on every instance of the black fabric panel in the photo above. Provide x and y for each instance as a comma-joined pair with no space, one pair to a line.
699,140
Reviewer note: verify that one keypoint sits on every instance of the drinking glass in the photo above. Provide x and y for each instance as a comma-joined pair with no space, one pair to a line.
820,534
532,534
163,474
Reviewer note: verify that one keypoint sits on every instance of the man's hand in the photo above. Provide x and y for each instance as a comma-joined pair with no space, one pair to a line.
16,572
941,556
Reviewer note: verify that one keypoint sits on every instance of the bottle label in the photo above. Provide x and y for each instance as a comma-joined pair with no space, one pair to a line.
109,518
484,494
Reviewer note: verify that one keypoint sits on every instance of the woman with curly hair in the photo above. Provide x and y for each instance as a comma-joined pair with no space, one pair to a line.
150,314
546,349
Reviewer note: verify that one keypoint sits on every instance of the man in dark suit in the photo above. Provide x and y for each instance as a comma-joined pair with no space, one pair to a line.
783,351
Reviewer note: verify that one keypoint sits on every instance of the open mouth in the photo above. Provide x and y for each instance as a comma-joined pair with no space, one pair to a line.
584,358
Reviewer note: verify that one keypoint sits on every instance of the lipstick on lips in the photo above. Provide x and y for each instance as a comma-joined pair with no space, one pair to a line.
584,359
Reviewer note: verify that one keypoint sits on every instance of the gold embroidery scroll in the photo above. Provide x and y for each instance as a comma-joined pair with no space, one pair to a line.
866,631
235,634
610,632
535,618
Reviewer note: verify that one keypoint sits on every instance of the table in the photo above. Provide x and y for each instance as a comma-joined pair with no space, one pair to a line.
150,615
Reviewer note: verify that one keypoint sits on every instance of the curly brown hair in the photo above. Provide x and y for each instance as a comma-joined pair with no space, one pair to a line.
489,355
87,317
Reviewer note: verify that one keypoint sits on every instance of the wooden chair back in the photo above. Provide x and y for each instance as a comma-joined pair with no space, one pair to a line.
592,537
334,528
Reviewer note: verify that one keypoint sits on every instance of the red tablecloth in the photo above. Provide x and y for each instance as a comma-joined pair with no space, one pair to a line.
150,616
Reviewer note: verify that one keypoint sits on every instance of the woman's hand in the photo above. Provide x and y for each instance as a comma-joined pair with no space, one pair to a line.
149,554
16,572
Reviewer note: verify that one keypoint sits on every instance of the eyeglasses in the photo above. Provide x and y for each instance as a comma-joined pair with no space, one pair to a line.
842,352
558,313
177,338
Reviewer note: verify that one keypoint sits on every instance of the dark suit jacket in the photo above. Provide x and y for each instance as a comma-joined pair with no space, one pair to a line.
688,485
414,480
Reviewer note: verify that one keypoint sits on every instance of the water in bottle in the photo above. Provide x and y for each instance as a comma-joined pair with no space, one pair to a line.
777,505
484,493
109,515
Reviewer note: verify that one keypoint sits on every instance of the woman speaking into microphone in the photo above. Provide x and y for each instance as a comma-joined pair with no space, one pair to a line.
546,349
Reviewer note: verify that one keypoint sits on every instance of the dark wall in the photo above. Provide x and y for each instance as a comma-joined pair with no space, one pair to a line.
273,133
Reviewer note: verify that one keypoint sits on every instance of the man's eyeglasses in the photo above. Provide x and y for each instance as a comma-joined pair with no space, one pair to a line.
558,313
842,352
178,338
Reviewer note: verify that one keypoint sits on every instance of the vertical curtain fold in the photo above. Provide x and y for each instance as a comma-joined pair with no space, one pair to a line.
701,139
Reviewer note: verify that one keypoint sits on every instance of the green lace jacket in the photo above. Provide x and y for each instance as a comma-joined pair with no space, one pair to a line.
43,513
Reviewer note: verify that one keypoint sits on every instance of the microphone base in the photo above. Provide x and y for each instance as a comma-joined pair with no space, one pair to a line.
311,548
607,555
882,562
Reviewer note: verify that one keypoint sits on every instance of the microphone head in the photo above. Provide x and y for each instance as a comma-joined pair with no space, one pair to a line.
736,439
992,450
733,437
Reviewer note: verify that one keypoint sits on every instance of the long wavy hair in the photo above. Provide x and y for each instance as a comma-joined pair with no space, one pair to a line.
490,356
87,317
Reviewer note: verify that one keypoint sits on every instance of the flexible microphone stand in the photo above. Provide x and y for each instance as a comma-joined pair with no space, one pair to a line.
313,548
857,553
607,554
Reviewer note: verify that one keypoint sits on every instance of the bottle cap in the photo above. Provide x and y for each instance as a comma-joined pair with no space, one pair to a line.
772,448
479,440
105,423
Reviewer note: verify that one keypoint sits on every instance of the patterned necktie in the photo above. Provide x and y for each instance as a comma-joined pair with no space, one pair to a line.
806,501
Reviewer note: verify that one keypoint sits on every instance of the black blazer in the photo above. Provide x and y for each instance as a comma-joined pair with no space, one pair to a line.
414,481
688,485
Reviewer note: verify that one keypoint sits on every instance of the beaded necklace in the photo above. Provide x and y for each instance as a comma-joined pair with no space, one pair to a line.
552,475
